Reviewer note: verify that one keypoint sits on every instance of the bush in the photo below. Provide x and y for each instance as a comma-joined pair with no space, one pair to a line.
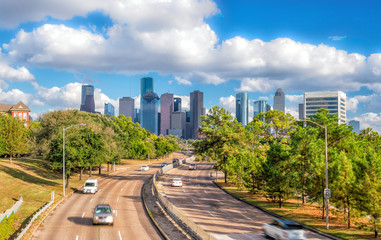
6,226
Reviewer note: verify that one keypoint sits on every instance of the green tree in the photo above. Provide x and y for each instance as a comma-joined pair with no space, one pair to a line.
13,135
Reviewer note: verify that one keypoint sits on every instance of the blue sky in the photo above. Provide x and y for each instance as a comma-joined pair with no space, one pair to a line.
48,48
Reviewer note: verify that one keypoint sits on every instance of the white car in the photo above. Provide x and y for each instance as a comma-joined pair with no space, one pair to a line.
176,182
91,186
283,229
144,168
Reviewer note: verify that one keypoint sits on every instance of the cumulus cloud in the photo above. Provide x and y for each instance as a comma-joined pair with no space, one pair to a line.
370,120
185,100
8,73
228,103
295,98
14,96
183,81
337,38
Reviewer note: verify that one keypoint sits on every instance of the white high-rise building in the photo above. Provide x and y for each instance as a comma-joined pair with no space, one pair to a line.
334,101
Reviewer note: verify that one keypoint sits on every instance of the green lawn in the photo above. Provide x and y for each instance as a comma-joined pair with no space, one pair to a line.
308,214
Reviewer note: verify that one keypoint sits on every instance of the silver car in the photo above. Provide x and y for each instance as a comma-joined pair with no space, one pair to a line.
102,214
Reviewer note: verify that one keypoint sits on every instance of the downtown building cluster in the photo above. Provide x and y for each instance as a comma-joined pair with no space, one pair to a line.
160,115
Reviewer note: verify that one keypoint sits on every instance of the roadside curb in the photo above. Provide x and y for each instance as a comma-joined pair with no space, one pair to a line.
160,231
278,216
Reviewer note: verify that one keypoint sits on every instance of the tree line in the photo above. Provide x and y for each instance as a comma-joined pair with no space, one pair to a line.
281,158
99,140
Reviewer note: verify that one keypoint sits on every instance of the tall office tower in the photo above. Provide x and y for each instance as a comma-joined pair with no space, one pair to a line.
242,108
146,84
87,101
166,107
301,111
268,108
109,109
177,104
279,100
259,106
127,107
356,126
196,110
334,101
149,112
178,121
137,115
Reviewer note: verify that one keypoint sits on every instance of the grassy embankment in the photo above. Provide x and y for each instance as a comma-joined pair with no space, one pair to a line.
309,214
33,179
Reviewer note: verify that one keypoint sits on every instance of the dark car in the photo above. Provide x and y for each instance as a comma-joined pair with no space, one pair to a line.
175,160
164,164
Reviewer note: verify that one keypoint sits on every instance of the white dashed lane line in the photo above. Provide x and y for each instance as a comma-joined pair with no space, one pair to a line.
120,236
83,214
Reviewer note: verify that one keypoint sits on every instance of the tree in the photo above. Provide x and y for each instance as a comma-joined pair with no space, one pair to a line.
13,135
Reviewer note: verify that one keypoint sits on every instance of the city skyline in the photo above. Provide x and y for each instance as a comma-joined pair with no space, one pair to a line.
224,48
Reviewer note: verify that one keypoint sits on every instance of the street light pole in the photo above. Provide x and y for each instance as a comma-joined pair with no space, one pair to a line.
327,192
63,156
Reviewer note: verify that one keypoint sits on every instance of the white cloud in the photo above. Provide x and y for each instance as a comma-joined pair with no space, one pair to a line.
370,120
293,111
337,38
3,84
295,98
185,100
183,81
14,96
8,73
264,98
228,103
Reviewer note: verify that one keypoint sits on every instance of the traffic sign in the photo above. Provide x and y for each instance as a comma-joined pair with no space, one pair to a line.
327,193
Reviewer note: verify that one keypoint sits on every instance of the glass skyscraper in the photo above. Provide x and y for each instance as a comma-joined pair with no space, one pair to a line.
149,106
146,84
242,108
279,100
109,109
87,101
177,104
259,106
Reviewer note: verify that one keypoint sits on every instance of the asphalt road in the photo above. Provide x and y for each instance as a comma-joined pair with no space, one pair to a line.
73,218
212,209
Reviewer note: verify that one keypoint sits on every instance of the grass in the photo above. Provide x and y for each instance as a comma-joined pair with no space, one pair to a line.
309,214
33,179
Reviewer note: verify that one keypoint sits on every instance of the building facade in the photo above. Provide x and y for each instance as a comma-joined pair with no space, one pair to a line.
260,106
178,124
279,100
356,126
242,108
19,110
166,108
87,101
177,104
301,111
127,107
196,110
149,117
334,101
109,109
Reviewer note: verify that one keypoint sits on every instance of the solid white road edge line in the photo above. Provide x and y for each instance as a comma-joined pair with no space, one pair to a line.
194,200
243,215
120,236
117,199
211,214
76,238
91,199
83,214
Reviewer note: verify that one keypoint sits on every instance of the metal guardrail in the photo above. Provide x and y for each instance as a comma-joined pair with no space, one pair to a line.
196,231
13,209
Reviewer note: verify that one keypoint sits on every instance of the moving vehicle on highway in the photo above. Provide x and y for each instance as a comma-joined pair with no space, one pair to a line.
192,166
102,214
144,168
175,160
163,164
177,182
284,229
91,186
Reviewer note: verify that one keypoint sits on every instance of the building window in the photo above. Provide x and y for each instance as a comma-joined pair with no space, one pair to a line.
24,115
20,115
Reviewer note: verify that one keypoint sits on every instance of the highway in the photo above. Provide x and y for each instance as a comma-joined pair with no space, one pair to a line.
212,209
73,218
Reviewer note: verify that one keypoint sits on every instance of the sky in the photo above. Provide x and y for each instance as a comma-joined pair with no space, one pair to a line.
49,48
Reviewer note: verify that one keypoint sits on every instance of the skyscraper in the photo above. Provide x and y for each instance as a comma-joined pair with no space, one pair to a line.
242,108
127,107
301,111
166,108
356,126
177,104
146,84
259,106
149,112
87,101
279,100
334,101
109,109
196,110
178,121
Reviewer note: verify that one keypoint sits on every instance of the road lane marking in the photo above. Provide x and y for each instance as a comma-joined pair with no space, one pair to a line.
120,236
211,214
184,190
194,200
220,201
205,192
76,238
100,190
121,189
243,215
116,213
117,199
83,214
91,199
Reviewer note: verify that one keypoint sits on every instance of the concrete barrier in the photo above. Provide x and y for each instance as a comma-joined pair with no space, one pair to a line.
192,228
13,209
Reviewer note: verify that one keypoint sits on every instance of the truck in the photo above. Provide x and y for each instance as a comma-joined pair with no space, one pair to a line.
91,186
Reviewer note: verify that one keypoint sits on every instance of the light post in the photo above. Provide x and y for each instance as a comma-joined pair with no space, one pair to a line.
63,155
327,191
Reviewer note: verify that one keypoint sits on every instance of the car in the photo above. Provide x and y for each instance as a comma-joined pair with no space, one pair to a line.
192,166
163,164
144,168
102,214
91,186
175,160
284,229
177,182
